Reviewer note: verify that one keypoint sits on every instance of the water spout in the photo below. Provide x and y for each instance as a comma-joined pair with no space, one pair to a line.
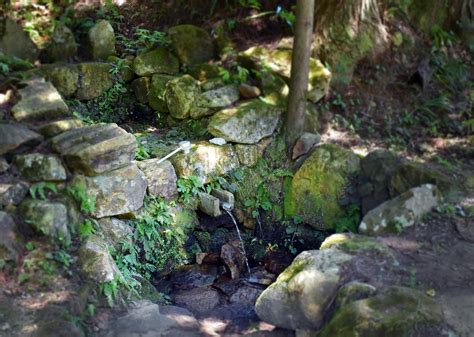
184,146
228,208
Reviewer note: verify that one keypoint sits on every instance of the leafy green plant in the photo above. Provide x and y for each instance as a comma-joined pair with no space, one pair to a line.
189,187
86,228
350,222
39,189
79,193
111,290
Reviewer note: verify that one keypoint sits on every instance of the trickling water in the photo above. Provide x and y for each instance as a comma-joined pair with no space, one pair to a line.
240,238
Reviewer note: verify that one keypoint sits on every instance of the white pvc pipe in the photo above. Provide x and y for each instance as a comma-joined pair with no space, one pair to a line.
184,146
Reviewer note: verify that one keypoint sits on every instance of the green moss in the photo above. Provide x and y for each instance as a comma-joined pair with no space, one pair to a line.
192,44
94,80
294,269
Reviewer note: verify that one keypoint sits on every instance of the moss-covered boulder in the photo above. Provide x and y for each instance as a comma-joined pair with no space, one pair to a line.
354,291
247,123
62,46
102,40
96,262
157,90
192,44
183,218
395,312
14,41
141,88
95,79
180,96
64,77
36,167
157,61
316,187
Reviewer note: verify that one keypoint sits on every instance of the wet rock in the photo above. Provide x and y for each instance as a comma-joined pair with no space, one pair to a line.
36,167
249,91
47,218
354,291
276,261
116,231
39,101
234,258
316,187
246,123
62,45
402,212
14,41
395,312
64,77
102,40
192,44
145,318
156,93
205,161
95,149
94,80
4,166
161,178
304,144
57,127
96,262
157,61
304,289
180,96
198,300
13,193
117,192
9,240
247,154
193,276
141,88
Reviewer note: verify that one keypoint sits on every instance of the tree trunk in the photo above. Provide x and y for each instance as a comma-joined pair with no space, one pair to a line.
299,70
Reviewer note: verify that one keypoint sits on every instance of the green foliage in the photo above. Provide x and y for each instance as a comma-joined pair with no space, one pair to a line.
111,290
3,264
254,4
143,150
189,187
79,193
39,189
235,74
86,228
350,221
143,40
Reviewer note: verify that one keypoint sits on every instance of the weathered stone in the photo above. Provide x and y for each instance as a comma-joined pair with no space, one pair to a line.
200,300
157,61
37,167
117,192
102,40
161,178
62,45
14,41
95,149
145,318
204,71
304,144
9,240
193,276
249,91
234,258
246,123
180,95
96,262
393,313
220,97
57,127
403,211
141,87
192,44
4,166
354,291
248,154
209,205
39,101
316,187
64,77
304,289
212,83
206,160
47,218
94,80
277,260
156,94
13,193
116,231
224,197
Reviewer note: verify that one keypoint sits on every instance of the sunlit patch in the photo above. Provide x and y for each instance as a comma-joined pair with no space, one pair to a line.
213,326
45,299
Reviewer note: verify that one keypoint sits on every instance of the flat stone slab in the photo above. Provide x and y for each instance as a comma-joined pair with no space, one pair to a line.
96,149
13,136
161,178
39,101
39,167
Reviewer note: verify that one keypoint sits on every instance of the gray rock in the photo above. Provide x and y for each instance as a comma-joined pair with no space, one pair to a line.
118,192
14,41
157,90
4,166
304,144
13,193
220,97
102,40
354,291
161,178
234,258
95,79
246,123
198,300
96,262
157,61
209,205
116,231
96,149
247,154
193,276
55,128
191,44
249,91
180,96
403,211
63,46
141,88
304,289
47,218
39,101
64,77
9,240
37,167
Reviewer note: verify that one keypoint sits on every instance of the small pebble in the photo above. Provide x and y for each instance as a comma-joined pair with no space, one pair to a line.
249,91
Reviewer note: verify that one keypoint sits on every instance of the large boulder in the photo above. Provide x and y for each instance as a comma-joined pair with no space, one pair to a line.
181,94
117,192
192,44
95,79
247,123
10,246
156,92
95,149
102,40
39,101
316,187
14,41
206,160
15,136
96,262
55,128
64,77
37,167
403,211
157,61
161,178
62,45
